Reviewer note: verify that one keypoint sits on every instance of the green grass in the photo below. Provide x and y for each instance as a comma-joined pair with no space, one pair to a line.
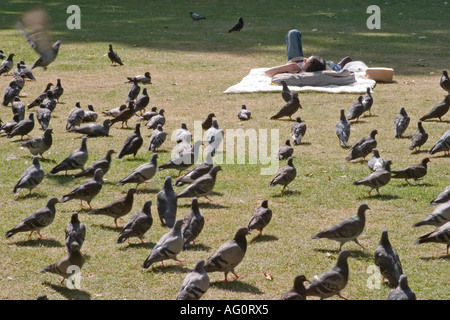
191,65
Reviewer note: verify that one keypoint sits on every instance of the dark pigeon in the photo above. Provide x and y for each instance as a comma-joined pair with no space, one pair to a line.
166,204
133,92
376,179
207,123
31,177
125,115
94,129
75,117
38,146
286,93
75,231
440,235
157,119
419,137
57,90
142,101
114,57
22,128
444,82
343,129
76,160
298,291
442,197
387,259
403,291
442,145
41,97
285,175
102,163
86,191
18,107
132,144
238,26
140,222
202,186
439,110
289,108
261,217
363,147
157,138
7,64
401,123
193,224
356,109
141,174
43,116
195,284
415,171
285,151
90,115
367,101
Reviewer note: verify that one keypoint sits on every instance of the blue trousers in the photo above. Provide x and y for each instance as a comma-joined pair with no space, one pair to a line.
294,44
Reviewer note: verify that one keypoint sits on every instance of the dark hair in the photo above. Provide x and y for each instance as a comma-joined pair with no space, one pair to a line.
314,63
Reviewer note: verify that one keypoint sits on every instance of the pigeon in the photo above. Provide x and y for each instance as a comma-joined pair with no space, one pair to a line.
38,220
196,172
346,230
289,108
18,82
57,90
133,92
41,97
7,64
167,247
285,175
102,163
356,109
144,79
440,235
76,160
442,145
90,115
68,266
158,119
387,259
193,224
439,216
114,57
182,148
140,222
331,282
38,146
367,101
298,131
238,26
43,116
201,186
403,291
24,70
37,21
42,297
125,115
377,162
114,112
376,179
183,134
87,190
439,110
286,93
31,177
196,16
442,197
157,138
166,204
75,231
444,82
132,144
18,107
243,113
142,101
49,102
183,161
207,123
75,117
94,129
415,171
11,92
195,284
260,218
8,126
24,127
363,147
401,122
118,208
418,138
149,114
298,291
214,137
142,173
285,151
229,255
2,55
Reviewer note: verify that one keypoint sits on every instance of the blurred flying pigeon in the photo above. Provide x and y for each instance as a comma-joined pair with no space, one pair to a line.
403,291
18,107
144,79
158,119
132,144
183,134
401,122
7,64
31,177
228,255
75,231
363,147
196,172
214,137
444,82
38,146
443,197
133,92
440,235
244,113
298,131
24,127
387,259
442,145
439,110
415,171
157,138
289,108
419,137
195,284
43,116
298,291
125,115
57,90
376,179
285,175
356,109
367,101
94,129
75,117
238,26
286,93
207,123
114,57
87,190
114,112
90,115
76,160
140,222
166,204
439,216
41,97
201,186
142,173
196,16
38,220
260,218
377,162
193,224
142,101
285,151
102,163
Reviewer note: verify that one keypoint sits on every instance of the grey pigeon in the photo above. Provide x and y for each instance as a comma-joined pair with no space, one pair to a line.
289,108
7,64
183,161
195,284
38,146
439,110
298,291
419,137
444,81
401,123
142,173
207,123
149,114
90,115
125,115
115,111
74,231
134,91
442,145
49,102
12,91
377,162
183,134
387,259
440,235
8,126
196,16
442,197
75,117
356,110
57,90
238,26
102,163
158,119
113,56
439,216
229,255
286,93
38,220
403,291
24,127
196,172
76,160
343,129
43,116
157,138
18,107
140,222
87,190
167,247
132,144
376,179
193,224
31,177
285,151
202,186
142,101
298,131
260,218
2,55
367,101
144,79
333,281
41,97
214,137
243,113
415,171
94,129
285,175
117,208
363,147
166,204
346,230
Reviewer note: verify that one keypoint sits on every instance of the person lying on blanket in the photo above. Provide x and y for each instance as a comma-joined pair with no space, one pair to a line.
297,63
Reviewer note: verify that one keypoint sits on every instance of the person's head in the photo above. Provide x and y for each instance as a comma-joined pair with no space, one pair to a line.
314,63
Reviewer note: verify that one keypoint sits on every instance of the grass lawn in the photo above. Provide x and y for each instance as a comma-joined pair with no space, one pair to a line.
191,64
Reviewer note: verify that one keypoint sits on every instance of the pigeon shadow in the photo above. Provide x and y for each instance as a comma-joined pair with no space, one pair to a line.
287,193
302,143
440,156
357,122
419,151
173,268
236,286
263,238
198,247
108,228
380,197
32,195
355,253
147,191
425,184
61,179
210,205
437,121
51,243
145,245
70,294
445,256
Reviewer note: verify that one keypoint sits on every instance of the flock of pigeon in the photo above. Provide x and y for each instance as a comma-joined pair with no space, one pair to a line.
201,179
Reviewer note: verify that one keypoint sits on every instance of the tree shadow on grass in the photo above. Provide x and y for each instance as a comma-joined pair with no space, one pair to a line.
263,238
51,243
236,285
70,294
